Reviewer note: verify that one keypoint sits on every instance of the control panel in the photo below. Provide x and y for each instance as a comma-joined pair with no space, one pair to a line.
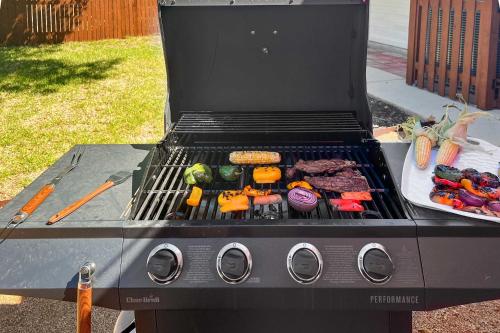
175,271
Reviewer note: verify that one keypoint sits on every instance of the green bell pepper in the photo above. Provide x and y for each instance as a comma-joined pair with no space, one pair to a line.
198,173
230,173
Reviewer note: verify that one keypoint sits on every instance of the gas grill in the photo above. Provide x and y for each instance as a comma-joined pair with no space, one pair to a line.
282,76
164,193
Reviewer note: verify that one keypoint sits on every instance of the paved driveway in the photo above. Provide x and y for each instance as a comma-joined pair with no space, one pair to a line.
35,315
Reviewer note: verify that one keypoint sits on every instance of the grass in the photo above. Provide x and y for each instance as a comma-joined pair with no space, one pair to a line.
53,97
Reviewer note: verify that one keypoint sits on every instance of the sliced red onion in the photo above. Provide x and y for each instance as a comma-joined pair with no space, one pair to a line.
494,206
302,200
470,199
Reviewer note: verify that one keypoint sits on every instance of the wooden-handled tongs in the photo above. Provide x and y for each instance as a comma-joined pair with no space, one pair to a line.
35,202
84,298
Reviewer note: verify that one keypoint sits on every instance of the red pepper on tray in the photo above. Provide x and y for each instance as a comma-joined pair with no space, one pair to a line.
446,182
347,205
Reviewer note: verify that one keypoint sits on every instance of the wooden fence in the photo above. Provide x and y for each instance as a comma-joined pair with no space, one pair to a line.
54,21
453,48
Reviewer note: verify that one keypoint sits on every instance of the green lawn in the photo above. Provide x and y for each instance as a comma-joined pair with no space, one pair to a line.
53,97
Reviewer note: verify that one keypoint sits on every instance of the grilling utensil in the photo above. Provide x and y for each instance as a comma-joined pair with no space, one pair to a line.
113,180
35,202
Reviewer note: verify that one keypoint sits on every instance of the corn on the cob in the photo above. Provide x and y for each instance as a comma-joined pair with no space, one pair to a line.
447,152
254,157
423,146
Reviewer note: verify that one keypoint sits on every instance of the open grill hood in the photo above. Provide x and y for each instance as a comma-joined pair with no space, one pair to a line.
279,57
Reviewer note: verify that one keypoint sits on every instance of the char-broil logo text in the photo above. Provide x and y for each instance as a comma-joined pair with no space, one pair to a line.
144,299
386,299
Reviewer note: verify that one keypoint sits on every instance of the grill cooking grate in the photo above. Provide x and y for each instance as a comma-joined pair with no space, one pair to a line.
164,196
206,122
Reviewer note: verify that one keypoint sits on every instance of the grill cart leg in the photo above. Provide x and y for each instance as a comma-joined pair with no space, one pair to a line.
84,299
292,321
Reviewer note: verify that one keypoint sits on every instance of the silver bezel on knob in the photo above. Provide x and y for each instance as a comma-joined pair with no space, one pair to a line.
289,262
361,266
178,255
247,254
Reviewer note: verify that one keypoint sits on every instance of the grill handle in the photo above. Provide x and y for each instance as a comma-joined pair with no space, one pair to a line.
84,298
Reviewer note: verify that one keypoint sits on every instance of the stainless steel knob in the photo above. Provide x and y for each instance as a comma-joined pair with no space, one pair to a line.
375,264
164,264
304,263
234,263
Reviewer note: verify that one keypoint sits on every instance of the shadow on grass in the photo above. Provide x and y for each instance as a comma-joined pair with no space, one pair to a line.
21,71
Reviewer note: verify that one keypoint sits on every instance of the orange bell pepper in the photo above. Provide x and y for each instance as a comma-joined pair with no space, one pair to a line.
303,184
299,183
251,192
473,188
446,198
232,201
195,197
266,175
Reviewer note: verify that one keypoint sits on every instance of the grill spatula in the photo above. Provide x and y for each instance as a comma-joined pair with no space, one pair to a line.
113,180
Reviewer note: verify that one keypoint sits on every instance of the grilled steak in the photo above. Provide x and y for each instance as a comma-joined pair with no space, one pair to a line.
354,183
349,173
320,166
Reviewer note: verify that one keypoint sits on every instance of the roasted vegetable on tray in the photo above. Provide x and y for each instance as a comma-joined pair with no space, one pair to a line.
446,198
470,199
467,190
449,173
197,174
254,157
445,182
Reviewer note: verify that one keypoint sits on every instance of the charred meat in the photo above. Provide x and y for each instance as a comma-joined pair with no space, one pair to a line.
349,173
320,166
339,183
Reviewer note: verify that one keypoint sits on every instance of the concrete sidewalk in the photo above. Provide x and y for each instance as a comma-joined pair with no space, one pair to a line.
392,89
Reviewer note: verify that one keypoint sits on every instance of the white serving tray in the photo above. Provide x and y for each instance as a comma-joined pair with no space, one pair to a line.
416,184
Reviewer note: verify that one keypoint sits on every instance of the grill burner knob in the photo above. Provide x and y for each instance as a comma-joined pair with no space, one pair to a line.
304,263
164,263
234,263
375,264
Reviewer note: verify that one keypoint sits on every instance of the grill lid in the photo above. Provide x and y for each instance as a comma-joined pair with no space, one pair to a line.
282,57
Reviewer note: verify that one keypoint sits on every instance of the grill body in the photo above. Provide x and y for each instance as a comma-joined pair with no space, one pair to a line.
269,299
265,75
